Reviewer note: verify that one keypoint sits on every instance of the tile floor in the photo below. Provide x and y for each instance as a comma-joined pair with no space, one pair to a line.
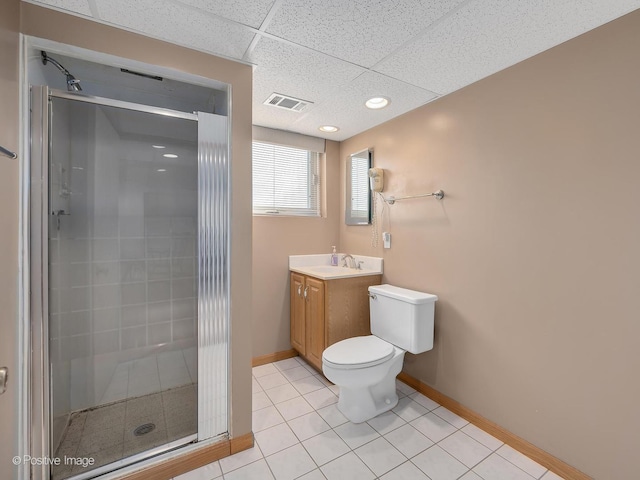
300,434
106,433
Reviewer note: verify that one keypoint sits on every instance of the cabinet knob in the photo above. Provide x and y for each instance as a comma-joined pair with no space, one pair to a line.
305,291
299,290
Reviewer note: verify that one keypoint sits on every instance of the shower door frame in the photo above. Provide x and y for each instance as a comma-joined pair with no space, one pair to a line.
213,287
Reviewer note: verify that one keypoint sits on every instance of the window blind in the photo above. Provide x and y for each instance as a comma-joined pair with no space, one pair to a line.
286,180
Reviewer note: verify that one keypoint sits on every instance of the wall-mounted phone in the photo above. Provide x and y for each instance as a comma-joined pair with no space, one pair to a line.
376,179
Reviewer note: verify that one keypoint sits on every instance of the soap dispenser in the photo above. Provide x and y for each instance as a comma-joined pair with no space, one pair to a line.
334,257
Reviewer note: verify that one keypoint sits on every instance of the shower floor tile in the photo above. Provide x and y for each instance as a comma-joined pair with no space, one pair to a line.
106,433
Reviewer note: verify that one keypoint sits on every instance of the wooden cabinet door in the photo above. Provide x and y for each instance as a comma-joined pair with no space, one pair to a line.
298,327
315,320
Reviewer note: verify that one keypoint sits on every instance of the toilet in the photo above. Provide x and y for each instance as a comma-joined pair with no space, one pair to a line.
365,368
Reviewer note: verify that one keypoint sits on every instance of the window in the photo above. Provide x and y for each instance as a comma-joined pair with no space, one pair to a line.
286,180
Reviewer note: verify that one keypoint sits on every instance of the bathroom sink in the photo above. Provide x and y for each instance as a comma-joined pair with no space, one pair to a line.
319,266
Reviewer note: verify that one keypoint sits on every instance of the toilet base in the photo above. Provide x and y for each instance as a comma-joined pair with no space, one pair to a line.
362,404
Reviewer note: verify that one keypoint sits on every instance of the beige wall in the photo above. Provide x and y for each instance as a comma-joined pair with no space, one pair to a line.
72,30
9,214
534,250
274,239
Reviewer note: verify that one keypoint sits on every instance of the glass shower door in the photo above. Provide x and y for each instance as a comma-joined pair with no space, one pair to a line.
123,282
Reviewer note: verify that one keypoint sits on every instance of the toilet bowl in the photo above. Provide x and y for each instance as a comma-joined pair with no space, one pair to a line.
365,368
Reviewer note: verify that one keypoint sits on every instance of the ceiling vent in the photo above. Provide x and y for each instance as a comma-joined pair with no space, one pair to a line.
288,103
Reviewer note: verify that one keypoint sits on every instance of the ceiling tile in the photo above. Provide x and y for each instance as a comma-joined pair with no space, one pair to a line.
345,109
183,26
246,12
359,31
486,36
76,6
297,71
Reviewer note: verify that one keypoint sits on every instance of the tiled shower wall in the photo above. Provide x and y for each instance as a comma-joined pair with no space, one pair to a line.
122,255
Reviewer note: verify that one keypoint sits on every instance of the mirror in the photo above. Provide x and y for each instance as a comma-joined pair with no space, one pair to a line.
358,194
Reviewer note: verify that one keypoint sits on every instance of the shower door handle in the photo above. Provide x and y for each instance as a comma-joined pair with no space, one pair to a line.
4,375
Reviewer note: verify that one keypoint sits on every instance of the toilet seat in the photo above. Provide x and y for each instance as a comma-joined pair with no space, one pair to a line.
358,352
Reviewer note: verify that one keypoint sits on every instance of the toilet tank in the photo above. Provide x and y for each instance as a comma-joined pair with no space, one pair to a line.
402,317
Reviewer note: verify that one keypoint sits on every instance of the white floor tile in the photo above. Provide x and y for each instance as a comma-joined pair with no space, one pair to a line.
335,389
409,410
408,440
255,386
274,439
347,467
325,447
254,471
307,384
380,456
332,415
356,434
450,417
314,475
404,388
308,426
386,422
260,400
406,471
434,427
263,370
266,418
293,408
272,380
465,449
471,476
282,393
296,373
521,461
298,427
287,364
324,381
291,463
208,472
483,437
321,398
438,464
240,459
494,467
426,402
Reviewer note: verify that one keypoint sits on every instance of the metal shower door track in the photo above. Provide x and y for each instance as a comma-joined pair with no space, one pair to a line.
110,102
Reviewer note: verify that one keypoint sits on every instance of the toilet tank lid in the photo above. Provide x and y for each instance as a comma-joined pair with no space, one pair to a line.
403,294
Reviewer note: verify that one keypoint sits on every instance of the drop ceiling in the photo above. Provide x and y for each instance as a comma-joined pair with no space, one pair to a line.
339,53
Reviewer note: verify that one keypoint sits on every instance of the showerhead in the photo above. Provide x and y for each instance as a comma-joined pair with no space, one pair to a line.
73,84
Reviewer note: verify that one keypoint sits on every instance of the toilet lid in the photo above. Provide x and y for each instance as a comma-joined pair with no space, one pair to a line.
358,352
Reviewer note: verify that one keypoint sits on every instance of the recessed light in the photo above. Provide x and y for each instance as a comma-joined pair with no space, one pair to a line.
161,170
170,155
376,103
328,128
158,146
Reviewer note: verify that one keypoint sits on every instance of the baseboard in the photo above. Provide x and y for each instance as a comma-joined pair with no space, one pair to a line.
545,459
243,442
192,460
273,357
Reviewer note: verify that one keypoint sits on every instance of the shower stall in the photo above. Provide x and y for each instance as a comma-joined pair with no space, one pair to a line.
129,267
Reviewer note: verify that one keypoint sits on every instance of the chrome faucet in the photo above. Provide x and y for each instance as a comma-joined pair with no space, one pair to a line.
351,264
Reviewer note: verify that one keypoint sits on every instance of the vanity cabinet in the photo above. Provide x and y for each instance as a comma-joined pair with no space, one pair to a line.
324,312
